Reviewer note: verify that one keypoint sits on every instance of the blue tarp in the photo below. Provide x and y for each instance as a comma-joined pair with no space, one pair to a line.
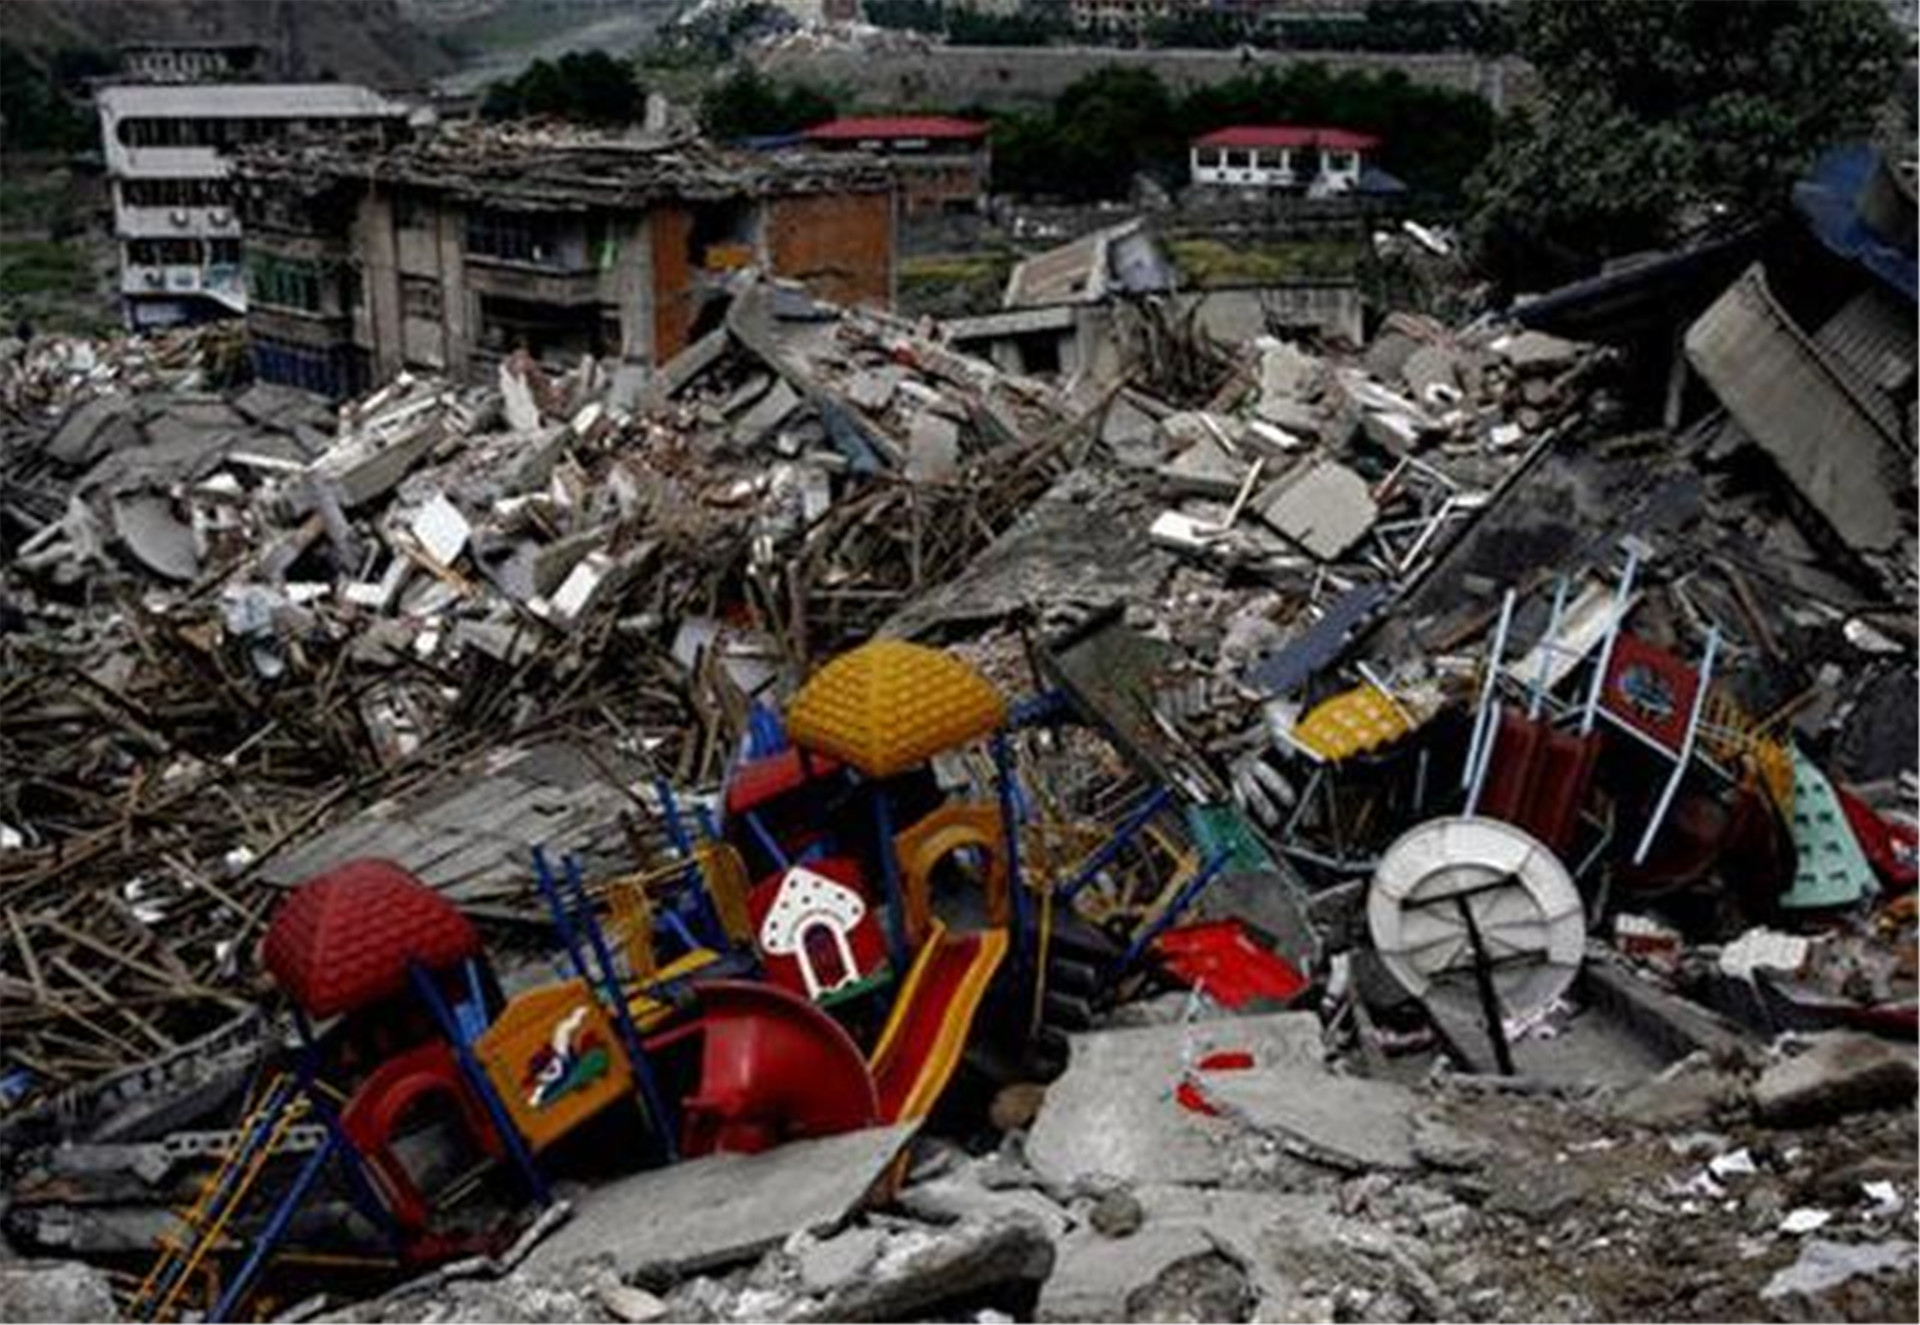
1829,201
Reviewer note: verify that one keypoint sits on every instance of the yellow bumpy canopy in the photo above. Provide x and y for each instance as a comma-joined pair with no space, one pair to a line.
889,705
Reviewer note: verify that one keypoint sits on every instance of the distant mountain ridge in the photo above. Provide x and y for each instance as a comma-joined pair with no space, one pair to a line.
356,41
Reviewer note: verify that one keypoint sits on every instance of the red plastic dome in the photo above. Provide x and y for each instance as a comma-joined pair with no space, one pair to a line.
344,939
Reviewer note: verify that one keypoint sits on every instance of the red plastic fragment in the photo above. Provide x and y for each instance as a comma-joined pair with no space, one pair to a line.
1188,1092
1235,970
1889,847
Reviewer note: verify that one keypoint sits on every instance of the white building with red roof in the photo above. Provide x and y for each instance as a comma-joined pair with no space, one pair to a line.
1292,157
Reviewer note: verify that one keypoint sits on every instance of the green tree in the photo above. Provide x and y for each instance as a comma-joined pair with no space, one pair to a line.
746,103
39,110
1653,114
588,86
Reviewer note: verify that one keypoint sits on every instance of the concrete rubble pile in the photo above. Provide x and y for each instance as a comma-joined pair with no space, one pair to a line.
1539,778
237,611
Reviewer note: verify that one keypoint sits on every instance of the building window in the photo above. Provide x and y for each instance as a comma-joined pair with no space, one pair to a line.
513,237
1238,160
411,211
163,252
1339,163
176,193
223,252
283,282
334,372
420,297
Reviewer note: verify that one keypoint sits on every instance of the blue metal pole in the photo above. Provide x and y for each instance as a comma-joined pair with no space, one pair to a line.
1182,900
610,989
683,845
670,815
766,841
477,1078
1004,778
276,1229
1105,853
890,873
557,908
279,1096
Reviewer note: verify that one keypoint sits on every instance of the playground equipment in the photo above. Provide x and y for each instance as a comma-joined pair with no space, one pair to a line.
811,960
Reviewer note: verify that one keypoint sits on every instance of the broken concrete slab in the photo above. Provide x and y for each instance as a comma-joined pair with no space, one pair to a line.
1824,1265
1323,506
1347,1122
441,530
1113,1115
1206,467
93,428
1287,374
1433,372
517,400
723,1208
1282,1243
1838,1073
36,1291
933,448
872,388
766,413
962,1195
917,1270
1535,351
148,529
1095,1277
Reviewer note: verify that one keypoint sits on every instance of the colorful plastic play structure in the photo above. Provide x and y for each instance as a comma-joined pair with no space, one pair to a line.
811,961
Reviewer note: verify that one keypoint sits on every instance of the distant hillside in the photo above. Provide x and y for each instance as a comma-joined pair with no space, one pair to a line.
360,41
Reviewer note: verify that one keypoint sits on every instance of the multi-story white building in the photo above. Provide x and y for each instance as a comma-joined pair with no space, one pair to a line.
166,153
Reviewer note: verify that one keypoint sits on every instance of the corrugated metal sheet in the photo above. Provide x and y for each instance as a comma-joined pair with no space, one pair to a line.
1870,342
1803,412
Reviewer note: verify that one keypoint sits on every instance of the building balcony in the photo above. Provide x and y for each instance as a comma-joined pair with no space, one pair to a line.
536,284
220,283
175,222
125,162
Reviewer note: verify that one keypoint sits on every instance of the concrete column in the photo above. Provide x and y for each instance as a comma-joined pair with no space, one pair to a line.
459,311
380,282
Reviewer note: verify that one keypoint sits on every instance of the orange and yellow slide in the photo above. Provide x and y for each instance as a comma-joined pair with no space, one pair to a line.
920,1047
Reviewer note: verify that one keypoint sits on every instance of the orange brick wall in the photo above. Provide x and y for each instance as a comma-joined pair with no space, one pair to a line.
672,281
840,245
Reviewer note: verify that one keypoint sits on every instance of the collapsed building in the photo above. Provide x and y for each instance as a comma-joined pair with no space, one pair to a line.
1290,828
448,254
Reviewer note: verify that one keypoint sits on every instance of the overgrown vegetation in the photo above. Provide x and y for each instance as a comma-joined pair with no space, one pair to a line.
954,284
40,103
1205,261
590,87
746,104
1656,118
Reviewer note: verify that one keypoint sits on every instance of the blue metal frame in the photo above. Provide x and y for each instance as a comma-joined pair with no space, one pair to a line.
896,926
1006,783
1164,921
476,1076
1158,799
649,1089
359,1189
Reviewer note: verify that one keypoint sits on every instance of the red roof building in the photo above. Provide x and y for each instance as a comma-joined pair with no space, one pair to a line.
1289,136
941,163
886,129
1297,157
